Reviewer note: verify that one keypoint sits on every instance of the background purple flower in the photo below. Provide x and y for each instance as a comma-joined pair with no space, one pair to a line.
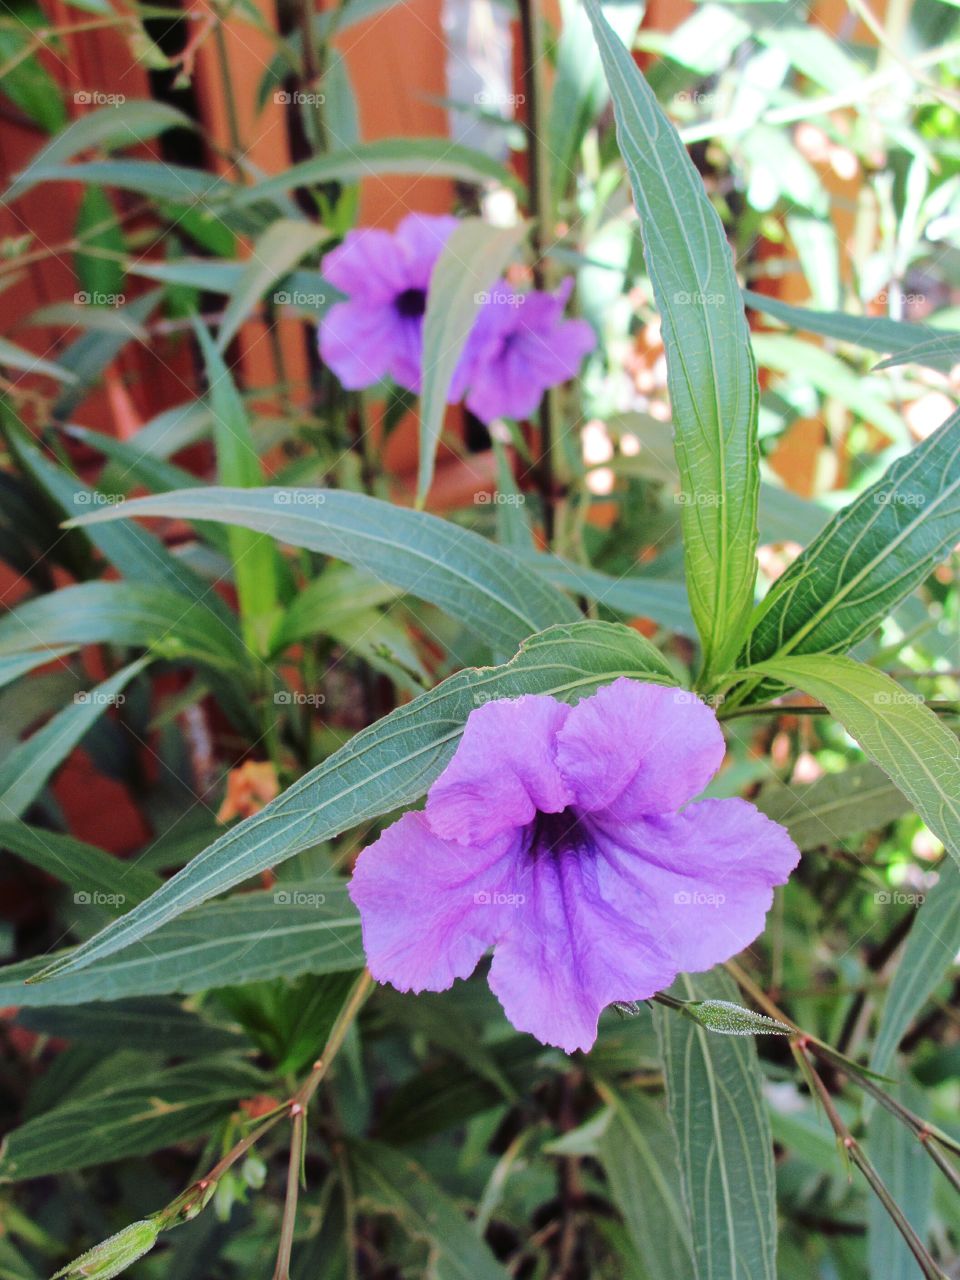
522,345
563,837
378,331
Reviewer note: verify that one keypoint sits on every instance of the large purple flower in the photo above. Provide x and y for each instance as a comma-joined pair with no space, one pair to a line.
378,331
522,345
562,837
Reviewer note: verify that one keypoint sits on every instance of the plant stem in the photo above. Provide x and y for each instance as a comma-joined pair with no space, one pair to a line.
531,35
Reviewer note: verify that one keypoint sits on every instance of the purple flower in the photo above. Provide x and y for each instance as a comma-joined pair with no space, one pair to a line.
379,329
521,345
563,838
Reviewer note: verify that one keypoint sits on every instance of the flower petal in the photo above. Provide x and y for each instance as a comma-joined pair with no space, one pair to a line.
421,237
503,771
369,264
710,871
429,907
576,945
636,748
359,342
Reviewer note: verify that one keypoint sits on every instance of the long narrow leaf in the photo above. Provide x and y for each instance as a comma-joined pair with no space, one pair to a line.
710,367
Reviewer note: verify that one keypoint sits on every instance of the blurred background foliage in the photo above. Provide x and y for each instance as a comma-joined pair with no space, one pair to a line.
171,165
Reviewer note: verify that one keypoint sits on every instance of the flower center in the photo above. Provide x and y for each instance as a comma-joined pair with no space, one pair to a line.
557,833
412,303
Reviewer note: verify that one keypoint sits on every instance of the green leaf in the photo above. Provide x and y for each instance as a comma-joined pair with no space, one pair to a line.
907,1173
15,665
875,333
470,263
475,581
726,1148
940,351
389,1182
24,772
99,273
14,357
129,1118
931,949
176,183
275,254
389,764
438,157
294,928
135,553
123,613
238,463
813,366
711,373
639,1156
136,1024
869,557
109,127
116,882
90,355
663,601
838,805
894,728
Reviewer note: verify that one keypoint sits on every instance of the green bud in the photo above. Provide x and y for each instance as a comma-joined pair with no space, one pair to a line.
112,1256
728,1019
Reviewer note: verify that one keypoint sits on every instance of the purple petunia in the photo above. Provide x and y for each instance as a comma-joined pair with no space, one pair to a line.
378,331
520,347
520,344
563,838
